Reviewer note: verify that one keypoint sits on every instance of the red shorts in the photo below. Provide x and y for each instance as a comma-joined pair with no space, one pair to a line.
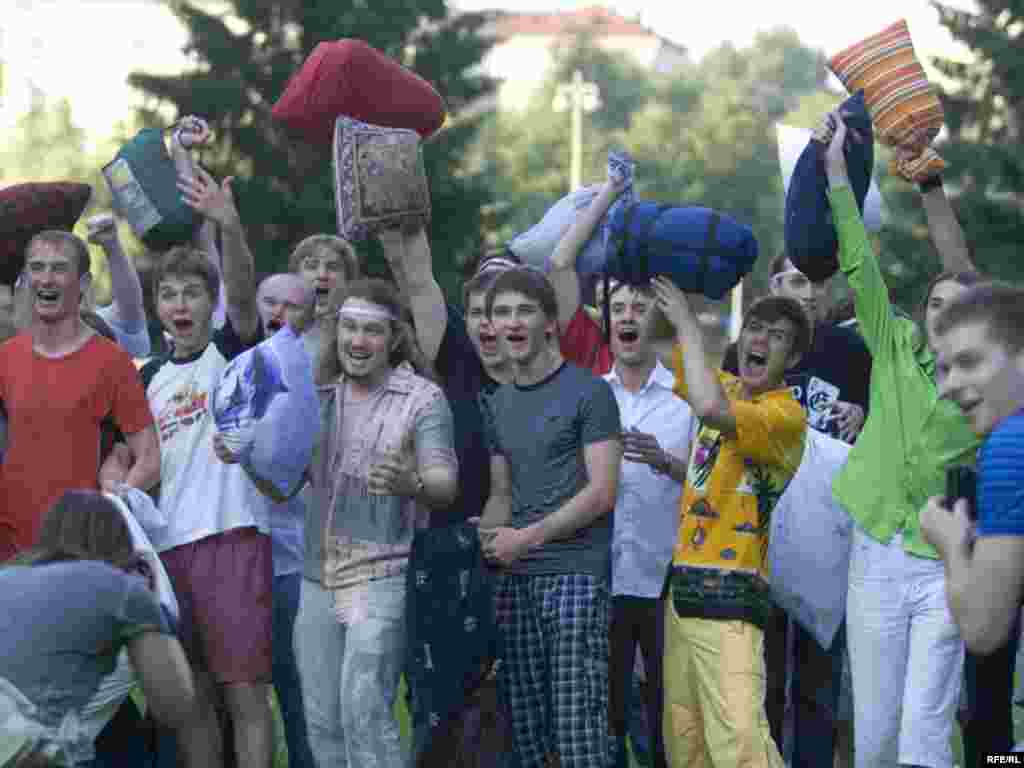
224,588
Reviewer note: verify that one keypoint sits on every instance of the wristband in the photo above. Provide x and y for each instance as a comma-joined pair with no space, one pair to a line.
932,182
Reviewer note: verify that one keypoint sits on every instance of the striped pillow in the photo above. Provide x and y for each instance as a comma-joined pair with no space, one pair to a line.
904,106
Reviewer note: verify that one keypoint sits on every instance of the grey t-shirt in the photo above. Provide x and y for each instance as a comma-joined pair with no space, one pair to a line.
62,626
542,430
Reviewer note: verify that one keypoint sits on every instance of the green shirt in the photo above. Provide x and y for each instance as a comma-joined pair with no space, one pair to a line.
910,436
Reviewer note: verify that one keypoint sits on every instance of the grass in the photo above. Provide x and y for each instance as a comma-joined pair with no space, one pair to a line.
281,751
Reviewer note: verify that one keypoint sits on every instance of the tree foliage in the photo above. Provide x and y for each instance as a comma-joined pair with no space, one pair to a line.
985,120
244,58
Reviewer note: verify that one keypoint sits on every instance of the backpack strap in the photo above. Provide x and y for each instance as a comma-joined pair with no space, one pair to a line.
710,243
643,248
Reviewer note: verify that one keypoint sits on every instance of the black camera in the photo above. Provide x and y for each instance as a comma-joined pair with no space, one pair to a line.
962,483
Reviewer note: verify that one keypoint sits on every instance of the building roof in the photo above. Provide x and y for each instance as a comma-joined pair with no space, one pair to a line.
595,19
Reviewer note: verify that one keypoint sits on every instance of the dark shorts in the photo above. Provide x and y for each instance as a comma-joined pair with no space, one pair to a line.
224,585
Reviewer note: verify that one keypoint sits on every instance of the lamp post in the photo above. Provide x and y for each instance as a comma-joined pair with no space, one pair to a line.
578,96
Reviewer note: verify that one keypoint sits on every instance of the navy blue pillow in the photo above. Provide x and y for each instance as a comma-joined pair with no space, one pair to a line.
811,242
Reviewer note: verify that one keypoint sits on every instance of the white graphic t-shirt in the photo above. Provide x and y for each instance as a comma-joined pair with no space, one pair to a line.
199,494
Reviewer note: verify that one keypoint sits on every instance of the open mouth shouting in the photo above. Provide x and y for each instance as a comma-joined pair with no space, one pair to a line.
47,298
321,292
516,340
488,343
627,337
755,364
183,325
273,326
357,359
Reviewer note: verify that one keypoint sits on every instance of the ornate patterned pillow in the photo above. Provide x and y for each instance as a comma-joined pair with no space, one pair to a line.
904,106
379,178
28,209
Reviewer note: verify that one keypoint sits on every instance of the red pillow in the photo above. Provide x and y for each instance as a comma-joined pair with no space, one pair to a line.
348,77
28,209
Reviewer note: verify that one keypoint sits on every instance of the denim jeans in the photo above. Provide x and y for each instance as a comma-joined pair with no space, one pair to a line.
286,672
906,656
987,724
350,673
816,683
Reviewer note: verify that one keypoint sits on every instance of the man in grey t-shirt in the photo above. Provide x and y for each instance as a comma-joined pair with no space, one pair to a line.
555,455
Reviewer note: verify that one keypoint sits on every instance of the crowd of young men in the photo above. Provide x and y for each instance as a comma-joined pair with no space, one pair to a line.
510,481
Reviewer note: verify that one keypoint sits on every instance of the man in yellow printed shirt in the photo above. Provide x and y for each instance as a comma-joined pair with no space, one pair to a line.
749,444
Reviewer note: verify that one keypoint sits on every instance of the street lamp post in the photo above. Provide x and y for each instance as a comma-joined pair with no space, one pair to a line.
578,96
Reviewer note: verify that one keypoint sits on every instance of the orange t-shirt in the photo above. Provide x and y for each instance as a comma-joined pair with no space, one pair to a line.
54,408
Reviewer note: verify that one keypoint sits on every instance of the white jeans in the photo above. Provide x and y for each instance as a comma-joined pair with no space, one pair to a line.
350,674
906,656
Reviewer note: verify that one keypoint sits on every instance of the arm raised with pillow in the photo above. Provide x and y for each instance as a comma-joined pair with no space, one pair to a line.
944,227
407,251
857,258
193,132
563,276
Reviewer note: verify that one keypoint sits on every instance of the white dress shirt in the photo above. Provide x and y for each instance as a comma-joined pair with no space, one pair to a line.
647,507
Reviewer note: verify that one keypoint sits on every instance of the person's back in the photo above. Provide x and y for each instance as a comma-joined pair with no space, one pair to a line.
63,626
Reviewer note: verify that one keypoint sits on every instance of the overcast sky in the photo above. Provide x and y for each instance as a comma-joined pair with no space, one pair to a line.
83,49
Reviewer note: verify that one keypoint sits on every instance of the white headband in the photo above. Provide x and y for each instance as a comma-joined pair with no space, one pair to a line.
497,263
365,310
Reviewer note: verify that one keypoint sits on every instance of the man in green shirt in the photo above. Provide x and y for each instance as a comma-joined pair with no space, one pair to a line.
906,654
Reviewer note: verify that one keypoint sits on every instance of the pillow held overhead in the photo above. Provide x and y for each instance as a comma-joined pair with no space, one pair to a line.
698,249
349,77
904,106
28,209
810,235
379,177
143,181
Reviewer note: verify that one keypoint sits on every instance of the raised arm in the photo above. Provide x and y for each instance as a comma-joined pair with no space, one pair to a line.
563,276
192,132
126,289
857,258
947,235
407,251
697,382
217,203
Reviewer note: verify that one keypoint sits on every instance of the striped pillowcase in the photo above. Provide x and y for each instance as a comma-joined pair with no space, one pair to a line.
904,106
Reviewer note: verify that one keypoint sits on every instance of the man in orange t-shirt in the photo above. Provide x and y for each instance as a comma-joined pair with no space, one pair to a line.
58,381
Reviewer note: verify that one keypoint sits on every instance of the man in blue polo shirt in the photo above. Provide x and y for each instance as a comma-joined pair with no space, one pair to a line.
979,341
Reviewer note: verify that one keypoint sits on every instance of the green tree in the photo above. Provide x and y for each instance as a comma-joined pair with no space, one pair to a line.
985,122
45,144
245,57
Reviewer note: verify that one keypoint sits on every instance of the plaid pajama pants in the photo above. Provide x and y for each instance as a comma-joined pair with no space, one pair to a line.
554,671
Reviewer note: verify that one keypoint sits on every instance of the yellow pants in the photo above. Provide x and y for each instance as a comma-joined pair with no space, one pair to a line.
714,677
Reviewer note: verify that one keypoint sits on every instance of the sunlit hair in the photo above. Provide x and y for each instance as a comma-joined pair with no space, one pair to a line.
773,308
375,291
185,261
999,306
71,243
82,525
529,282
336,246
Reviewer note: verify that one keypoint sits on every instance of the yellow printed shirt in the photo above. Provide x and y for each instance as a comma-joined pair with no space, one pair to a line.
732,485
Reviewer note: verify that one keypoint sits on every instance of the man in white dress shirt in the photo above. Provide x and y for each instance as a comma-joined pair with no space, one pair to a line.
656,434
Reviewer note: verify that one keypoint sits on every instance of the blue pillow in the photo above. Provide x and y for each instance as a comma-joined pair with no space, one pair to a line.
700,250
811,242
